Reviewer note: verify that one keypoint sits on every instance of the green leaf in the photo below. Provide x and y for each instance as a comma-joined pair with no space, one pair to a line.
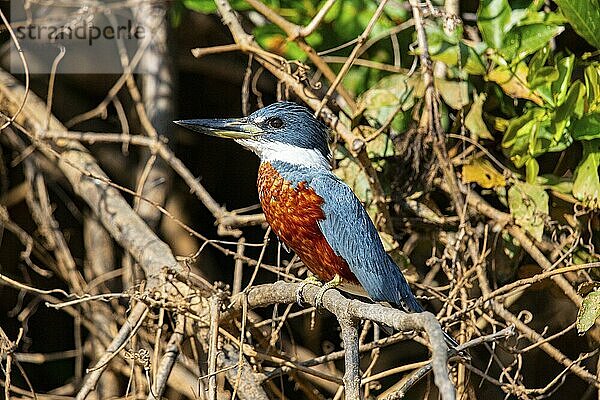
542,76
584,17
380,147
589,312
561,185
587,127
470,61
513,81
493,19
573,104
532,169
539,59
517,16
529,207
452,51
201,6
472,58
524,40
586,185
209,7
176,12
561,85
474,120
390,95
519,134
570,109
592,86
454,93
545,16
547,138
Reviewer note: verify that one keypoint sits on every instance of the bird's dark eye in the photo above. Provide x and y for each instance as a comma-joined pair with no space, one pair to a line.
276,122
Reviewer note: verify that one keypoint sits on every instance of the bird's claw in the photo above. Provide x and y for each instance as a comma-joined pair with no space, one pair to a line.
336,281
311,280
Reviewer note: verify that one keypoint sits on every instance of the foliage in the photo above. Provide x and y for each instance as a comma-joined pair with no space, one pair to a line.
552,111
589,312
511,89
484,186
342,24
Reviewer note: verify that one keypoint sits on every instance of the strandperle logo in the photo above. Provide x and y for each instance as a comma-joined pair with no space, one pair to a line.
103,37
88,33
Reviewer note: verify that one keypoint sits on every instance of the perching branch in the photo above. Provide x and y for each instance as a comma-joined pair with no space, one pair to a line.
348,310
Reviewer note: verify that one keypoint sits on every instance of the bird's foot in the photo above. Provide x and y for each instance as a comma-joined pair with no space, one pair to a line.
336,281
311,280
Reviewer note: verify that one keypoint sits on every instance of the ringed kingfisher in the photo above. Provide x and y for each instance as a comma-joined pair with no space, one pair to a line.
309,208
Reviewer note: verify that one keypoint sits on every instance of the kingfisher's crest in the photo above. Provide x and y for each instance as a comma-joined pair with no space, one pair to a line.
283,131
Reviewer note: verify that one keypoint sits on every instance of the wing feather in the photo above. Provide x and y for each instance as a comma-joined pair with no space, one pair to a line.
352,235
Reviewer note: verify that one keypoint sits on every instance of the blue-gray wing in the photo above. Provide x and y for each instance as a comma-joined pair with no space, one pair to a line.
352,235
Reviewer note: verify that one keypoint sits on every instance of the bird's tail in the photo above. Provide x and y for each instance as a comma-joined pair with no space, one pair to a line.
452,344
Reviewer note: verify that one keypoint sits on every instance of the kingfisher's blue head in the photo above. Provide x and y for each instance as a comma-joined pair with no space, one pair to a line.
282,131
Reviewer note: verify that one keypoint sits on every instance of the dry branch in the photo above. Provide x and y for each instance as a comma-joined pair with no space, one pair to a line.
82,171
91,184
244,379
217,352
154,256
348,310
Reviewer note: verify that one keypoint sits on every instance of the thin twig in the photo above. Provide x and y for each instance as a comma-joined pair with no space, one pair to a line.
168,360
215,312
352,386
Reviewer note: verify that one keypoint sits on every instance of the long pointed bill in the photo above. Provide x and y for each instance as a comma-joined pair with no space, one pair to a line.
232,128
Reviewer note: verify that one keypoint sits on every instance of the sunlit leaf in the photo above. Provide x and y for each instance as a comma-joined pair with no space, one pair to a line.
589,312
454,93
474,120
586,185
483,173
562,185
454,51
532,169
201,6
521,41
529,207
393,94
461,55
592,86
571,108
538,60
381,146
493,19
518,135
545,16
584,17
561,85
543,76
547,137
209,6
573,104
513,82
